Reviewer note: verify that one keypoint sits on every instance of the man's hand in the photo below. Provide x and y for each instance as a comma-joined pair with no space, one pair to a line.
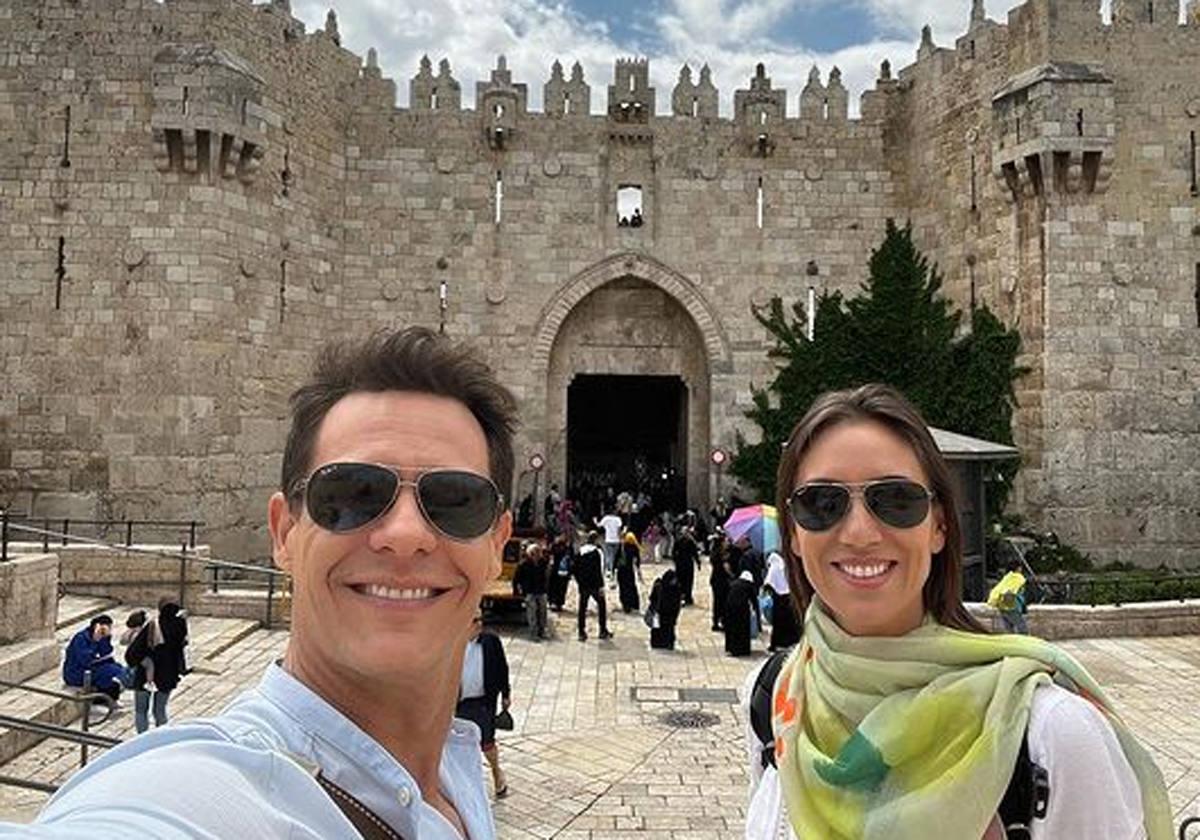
505,702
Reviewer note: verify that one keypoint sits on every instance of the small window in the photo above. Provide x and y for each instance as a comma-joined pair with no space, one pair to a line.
1196,294
760,204
695,106
185,100
433,100
629,206
499,195
244,109
972,48
1079,122
762,117
1192,163
566,103
498,110
632,82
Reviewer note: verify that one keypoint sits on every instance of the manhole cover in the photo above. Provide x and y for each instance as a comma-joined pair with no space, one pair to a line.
689,719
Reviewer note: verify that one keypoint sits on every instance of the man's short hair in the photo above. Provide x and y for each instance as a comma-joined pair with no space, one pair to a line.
100,619
412,359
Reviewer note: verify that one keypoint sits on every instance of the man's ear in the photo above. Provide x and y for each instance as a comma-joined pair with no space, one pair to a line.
280,521
500,535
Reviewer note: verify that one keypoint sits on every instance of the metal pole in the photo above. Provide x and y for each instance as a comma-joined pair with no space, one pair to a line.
66,530
182,573
192,534
4,534
270,599
87,714
215,570
128,532
45,536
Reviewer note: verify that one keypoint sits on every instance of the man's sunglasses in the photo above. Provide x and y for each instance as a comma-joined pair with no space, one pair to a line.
344,497
895,502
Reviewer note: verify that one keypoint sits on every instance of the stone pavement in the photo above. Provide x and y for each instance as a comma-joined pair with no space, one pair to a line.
591,759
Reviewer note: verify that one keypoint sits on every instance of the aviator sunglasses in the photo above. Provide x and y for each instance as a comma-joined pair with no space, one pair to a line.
345,496
896,502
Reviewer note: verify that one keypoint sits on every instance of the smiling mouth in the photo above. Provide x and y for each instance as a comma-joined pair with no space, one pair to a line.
389,593
866,571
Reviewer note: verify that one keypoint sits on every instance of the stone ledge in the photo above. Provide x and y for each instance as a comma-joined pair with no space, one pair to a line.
1080,621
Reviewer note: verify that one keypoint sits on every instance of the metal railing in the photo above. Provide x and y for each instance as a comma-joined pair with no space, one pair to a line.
103,526
183,558
85,698
1118,588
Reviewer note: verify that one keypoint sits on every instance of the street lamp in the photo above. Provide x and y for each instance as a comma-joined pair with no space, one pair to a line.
536,463
718,457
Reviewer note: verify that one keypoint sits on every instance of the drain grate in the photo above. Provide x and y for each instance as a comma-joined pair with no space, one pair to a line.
688,719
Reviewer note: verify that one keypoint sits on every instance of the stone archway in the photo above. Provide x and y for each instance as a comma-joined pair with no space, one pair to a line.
629,316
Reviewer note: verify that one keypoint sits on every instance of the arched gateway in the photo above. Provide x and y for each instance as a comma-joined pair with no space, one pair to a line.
627,350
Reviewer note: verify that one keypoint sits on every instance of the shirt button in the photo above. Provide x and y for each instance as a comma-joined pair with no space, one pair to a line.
404,794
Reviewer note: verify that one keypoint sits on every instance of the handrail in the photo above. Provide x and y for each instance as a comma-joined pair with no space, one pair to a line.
8,516
51,730
88,698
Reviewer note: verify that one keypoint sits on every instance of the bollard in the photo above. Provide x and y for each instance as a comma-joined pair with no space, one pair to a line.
128,533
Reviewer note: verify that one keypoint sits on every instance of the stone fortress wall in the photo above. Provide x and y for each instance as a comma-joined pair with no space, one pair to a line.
194,194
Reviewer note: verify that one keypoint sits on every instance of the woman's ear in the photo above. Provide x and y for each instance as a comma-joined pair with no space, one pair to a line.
938,538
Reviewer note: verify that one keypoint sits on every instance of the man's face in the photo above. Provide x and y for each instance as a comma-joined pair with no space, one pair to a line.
395,597
101,631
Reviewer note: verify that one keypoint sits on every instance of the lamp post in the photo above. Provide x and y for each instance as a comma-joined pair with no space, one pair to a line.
536,463
442,306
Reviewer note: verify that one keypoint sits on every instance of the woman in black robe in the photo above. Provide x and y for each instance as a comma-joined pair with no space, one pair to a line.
562,562
741,605
719,579
665,602
785,628
629,564
686,555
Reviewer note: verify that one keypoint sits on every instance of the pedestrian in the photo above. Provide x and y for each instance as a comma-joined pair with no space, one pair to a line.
589,578
719,578
1008,598
484,681
562,558
531,580
750,559
550,509
898,715
612,527
629,569
664,604
156,656
391,524
785,629
742,618
91,650
686,557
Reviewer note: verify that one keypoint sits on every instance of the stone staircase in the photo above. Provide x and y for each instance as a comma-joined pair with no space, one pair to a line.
38,664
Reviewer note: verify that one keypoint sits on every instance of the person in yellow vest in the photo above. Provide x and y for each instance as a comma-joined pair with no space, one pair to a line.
1008,598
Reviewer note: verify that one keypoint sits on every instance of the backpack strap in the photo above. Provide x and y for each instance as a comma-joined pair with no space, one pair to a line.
760,704
1027,797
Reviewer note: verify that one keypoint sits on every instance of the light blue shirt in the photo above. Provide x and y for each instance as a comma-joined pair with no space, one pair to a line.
249,773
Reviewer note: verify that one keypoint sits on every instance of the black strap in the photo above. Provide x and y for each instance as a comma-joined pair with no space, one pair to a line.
760,705
364,820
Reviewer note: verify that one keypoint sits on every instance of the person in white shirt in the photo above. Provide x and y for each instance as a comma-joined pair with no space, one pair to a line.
612,527
897,715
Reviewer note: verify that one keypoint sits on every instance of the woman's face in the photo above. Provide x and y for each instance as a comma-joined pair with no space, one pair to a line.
896,561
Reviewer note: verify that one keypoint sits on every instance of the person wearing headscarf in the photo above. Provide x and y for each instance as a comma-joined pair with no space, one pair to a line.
686,556
629,568
785,630
168,636
741,614
719,578
664,604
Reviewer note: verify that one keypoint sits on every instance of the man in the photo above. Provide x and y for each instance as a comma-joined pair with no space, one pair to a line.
1008,597
91,650
530,581
612,525
589,577
391,524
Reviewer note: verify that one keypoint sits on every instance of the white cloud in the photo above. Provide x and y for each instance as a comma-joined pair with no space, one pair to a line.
730,35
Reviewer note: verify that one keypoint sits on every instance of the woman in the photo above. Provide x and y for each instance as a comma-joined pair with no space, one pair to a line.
484,678
898,716
719,578
629,568
164,638
561,564
665,604
785,631
741,621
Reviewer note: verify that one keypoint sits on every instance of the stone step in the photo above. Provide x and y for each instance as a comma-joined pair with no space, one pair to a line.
76,610
210,637
22,660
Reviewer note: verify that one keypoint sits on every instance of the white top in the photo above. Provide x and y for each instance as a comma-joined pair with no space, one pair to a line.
1093,791
249,773
611,523
472,672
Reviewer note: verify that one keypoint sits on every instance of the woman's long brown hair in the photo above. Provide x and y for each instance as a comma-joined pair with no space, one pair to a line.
884,405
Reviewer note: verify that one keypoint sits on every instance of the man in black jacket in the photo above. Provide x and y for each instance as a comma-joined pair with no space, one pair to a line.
530,580
484,680
589,576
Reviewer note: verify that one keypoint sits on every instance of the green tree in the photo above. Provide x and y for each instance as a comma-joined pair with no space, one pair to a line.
898,330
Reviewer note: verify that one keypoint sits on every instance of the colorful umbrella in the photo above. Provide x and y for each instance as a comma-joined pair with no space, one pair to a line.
758,522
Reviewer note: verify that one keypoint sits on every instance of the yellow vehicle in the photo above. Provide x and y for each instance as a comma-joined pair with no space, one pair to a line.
499,596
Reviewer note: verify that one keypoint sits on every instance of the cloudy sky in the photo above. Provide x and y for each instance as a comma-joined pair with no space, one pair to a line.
790,36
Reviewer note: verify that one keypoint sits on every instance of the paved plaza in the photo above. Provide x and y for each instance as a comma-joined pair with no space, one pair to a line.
591,757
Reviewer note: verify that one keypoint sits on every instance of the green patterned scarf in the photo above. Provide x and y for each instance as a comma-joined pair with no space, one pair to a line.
898,737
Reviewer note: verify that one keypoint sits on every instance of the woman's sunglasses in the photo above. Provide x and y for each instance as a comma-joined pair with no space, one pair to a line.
344,497
895,502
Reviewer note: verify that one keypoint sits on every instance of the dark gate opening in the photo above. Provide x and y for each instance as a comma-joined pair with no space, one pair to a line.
627,434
